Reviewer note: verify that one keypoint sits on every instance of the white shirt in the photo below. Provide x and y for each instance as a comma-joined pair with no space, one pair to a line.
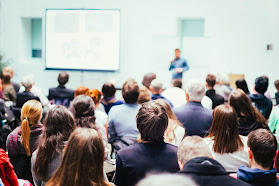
179,133
101,117
206,102
176,96
231,161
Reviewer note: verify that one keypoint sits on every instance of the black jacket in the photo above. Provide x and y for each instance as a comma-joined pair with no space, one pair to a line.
206,171
24,97
216,98
61,95
245,126
262,103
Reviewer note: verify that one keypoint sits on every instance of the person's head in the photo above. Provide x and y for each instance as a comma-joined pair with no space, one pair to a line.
10,70
177,53
59,123
210,81
152,121
108,90
262,148
27,81
244,107
195,90
223,79
177,83
242,84
130,91
6,78
83,108
261,85
224,130
156,87
276,84
96,96
31,114
83,160
144,95
63,78
166,180
82,90
192,147
148,78
167,107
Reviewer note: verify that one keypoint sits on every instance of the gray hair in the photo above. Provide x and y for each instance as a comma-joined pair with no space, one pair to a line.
195,90
156,85
27,81
192,147
166,180
223,78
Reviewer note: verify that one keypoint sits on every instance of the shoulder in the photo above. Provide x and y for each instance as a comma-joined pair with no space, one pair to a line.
128,151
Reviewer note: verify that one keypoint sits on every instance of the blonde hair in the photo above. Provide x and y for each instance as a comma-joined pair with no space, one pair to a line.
31,114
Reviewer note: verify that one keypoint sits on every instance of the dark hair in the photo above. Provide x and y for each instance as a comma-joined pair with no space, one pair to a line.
263,144
261,85
152,121
242,84
211,80
177,49
6,78
177,83
224,130
59,123
130,91
147,79
63,78
82,90
244,107
95,94
83,109
276,84
108,90
83,160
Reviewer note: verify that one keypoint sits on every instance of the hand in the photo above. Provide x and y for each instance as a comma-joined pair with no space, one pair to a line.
178,70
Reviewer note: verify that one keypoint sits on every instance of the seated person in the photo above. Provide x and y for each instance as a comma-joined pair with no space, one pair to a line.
61,95
25,96
262,150
152,154
148,78
276,84
9,92
195,161
10,70
222,86
262,103
144,95
216,98
109,100
194,117
242,84
273,122
82,90
156,89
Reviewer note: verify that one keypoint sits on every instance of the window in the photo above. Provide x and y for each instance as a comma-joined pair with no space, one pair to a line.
192,27
36,37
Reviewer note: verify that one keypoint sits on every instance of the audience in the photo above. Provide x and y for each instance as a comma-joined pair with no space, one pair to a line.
222,86
10,70
122,126
175,94
242,84
273,121
58,126
175,132
83,159
262,103
194,117
152,154
195,161
147,79
61,95
216,99
109,100
144,95
9,92
249,118
276,84
82,90
156,89
225,143
23,141
262,150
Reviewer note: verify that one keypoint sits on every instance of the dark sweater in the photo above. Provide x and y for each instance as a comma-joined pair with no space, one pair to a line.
262,103
216,98
245,126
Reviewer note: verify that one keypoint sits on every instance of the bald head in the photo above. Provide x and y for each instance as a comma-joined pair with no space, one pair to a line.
8,69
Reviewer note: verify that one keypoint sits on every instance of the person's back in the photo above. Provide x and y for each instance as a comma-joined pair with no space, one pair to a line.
216,98
156,89
23,97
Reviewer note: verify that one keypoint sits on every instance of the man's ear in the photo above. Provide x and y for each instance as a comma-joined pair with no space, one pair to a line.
180,164
187,96
250,153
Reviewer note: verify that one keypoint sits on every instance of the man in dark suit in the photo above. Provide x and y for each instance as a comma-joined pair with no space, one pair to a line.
61,95
194,117
195,161
216,99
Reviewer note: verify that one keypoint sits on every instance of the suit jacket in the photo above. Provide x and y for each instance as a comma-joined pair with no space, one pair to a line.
206,171
216,98
16,86
195,118
61,95
24,97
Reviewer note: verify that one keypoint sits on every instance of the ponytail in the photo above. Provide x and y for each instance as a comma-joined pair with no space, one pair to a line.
25,136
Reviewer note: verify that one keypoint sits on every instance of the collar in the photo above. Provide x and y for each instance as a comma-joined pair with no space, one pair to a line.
61,86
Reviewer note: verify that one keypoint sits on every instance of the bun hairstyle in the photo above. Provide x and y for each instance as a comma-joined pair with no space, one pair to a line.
96,95
31,114
83,108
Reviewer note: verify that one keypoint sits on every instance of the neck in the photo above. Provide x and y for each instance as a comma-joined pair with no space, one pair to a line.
194,101
254,165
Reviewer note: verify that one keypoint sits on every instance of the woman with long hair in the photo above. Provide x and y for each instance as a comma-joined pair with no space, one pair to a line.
249,118
224,141
175,132
58,126
83,159
242,84
8,89
23,140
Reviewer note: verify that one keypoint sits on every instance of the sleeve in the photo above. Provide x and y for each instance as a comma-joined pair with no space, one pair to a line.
119,173
111,127
185,66
171,67
33,161
10,174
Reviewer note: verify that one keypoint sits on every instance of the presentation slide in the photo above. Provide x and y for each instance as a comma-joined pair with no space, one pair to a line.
82,39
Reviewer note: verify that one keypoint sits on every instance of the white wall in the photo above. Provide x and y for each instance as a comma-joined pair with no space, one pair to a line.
236,35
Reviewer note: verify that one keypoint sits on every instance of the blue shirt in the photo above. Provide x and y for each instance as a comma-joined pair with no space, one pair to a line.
178,63
158,96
